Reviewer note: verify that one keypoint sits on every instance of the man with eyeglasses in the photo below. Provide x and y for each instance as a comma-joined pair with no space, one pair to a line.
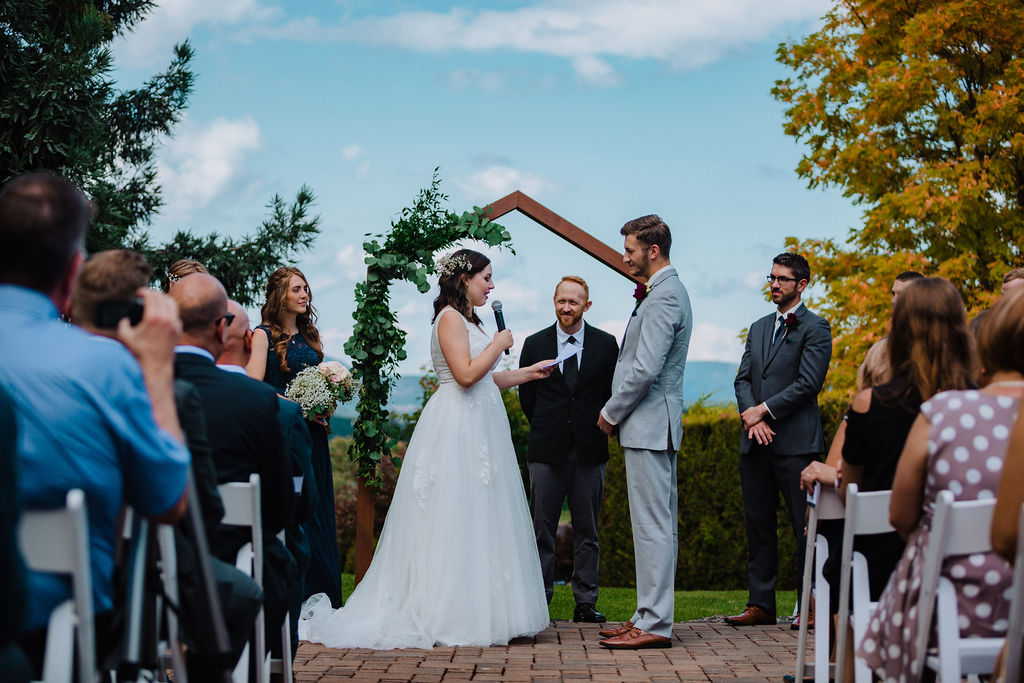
783,368
242,428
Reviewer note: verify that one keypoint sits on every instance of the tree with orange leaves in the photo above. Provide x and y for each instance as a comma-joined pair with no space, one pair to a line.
915,109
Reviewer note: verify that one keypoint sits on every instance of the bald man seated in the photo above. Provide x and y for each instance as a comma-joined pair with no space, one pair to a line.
243,432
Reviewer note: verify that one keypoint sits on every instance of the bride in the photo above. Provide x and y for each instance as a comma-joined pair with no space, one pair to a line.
456,563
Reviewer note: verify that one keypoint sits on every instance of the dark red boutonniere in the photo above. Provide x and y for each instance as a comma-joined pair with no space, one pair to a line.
791,322
641,292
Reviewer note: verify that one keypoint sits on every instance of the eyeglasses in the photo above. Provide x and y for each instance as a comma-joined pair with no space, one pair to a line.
228,318
781,279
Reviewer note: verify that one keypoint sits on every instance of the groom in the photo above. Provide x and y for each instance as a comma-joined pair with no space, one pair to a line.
646,407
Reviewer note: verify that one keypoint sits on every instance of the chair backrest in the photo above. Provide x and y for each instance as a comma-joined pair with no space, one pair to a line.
242,508
866,513
57,541
958,528
1015,634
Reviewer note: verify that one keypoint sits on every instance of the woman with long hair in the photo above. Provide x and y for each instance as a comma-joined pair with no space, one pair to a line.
286,343
957,443
457,561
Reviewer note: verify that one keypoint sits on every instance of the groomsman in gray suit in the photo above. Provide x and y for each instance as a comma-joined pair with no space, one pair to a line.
782,370
646,407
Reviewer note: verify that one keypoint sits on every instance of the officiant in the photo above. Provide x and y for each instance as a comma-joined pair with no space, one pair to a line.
567,452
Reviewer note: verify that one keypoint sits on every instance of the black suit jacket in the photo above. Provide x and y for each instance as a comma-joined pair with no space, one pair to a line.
299,443
245,437
788,377
561,417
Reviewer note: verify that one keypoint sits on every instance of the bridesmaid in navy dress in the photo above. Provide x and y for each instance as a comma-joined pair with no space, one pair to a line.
285,344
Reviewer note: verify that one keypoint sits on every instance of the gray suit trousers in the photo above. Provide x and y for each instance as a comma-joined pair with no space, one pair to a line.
654,512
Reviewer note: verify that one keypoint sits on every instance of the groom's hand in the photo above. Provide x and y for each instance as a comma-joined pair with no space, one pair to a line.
753,415
761,433
605,426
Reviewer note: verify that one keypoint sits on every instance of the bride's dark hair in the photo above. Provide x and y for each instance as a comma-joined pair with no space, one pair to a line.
453,289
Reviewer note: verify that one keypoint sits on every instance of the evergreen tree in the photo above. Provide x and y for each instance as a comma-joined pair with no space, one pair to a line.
61,110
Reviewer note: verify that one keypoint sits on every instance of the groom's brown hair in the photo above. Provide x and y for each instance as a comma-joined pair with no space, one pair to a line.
650,230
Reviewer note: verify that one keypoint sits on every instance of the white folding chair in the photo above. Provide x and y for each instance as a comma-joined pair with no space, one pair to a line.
958,528
824,503
866,513
169,577
1016,631
57,541
242,508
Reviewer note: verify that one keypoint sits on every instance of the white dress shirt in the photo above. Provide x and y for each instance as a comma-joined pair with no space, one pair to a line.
563,345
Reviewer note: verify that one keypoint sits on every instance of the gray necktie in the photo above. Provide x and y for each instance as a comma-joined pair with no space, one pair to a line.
571,367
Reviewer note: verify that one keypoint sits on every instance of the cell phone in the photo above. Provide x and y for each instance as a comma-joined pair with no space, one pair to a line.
109,313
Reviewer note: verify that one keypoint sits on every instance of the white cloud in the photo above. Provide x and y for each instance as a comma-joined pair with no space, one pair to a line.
594,71
715,342
198,163
334,339
171,21
351,257
686,34
495,182
755,279
350,152
474,79
615,327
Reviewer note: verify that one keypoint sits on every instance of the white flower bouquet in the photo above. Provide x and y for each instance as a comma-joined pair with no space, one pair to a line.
319,389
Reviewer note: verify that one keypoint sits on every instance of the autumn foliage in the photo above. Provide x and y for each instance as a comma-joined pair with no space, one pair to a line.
914,110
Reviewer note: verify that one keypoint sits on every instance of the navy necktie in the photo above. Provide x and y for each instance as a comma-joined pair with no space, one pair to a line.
778,331
571,367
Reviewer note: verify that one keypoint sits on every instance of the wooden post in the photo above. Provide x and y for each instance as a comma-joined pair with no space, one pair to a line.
364,529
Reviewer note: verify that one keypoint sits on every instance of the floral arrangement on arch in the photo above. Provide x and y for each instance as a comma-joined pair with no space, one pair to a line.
319,389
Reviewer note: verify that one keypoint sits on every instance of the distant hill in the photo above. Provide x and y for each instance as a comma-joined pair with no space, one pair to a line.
703,378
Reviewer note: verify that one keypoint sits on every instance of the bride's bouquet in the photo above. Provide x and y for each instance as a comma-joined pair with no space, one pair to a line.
319,389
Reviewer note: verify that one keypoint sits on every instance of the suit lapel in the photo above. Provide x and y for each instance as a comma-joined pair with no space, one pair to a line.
587,361
766,340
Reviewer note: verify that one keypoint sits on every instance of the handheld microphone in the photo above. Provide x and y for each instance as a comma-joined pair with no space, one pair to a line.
499,318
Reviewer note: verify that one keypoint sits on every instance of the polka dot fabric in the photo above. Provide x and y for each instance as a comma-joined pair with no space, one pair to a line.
966,446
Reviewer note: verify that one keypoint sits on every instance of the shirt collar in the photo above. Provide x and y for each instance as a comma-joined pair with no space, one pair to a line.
783,314
562,337
31,303
195,350
238,369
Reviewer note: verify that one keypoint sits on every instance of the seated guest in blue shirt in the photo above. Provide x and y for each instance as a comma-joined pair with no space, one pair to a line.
90,414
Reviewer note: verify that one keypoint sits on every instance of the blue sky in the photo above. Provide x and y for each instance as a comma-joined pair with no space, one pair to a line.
602,110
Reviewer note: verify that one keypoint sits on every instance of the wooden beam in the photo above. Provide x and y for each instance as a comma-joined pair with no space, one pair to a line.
579,238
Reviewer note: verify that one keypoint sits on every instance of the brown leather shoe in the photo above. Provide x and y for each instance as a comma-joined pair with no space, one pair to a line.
616,631
636,639
752,616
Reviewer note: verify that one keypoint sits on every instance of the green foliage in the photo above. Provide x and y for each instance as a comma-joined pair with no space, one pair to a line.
377,343
60,110
916,112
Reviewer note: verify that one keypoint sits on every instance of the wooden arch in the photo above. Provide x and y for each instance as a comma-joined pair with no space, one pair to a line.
579,238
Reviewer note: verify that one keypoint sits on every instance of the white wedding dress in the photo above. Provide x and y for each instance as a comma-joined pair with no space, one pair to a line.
457,562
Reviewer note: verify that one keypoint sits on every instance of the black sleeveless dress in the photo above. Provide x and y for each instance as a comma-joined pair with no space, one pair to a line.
324,572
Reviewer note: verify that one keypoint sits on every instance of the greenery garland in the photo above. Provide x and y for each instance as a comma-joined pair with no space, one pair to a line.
377,344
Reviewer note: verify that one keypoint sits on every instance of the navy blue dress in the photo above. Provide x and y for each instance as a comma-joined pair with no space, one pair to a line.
324,573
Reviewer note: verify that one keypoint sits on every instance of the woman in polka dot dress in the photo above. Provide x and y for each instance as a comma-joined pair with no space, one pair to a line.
957,443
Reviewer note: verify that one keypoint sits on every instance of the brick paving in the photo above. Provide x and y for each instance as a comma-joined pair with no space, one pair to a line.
565,651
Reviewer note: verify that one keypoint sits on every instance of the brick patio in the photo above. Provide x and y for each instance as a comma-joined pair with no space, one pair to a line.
701,651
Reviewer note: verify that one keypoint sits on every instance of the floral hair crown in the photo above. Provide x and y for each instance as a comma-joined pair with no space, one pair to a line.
452,264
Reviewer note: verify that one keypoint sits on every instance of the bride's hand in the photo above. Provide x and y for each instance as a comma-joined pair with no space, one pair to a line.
503,339
538,371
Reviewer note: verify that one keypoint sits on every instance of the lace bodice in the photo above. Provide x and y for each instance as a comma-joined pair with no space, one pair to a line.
478,341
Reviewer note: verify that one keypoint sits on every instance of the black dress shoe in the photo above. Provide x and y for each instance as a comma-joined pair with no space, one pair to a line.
586,612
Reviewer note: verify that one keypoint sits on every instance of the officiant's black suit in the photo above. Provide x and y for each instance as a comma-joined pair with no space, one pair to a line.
245,437
567,451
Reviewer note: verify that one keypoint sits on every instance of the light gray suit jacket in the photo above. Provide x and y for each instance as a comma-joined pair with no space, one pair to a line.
647,387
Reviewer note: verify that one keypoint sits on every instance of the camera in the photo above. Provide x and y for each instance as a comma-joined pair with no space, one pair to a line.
109,313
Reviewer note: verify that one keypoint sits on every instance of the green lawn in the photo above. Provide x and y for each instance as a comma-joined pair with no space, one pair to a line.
618,604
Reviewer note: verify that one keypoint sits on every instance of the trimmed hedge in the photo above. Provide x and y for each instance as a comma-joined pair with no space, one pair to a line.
712,537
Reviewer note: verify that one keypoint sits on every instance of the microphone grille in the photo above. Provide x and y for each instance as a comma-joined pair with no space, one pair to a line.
496,306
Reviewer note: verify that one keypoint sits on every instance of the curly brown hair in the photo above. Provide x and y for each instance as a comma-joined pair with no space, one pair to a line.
453,289
273,311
